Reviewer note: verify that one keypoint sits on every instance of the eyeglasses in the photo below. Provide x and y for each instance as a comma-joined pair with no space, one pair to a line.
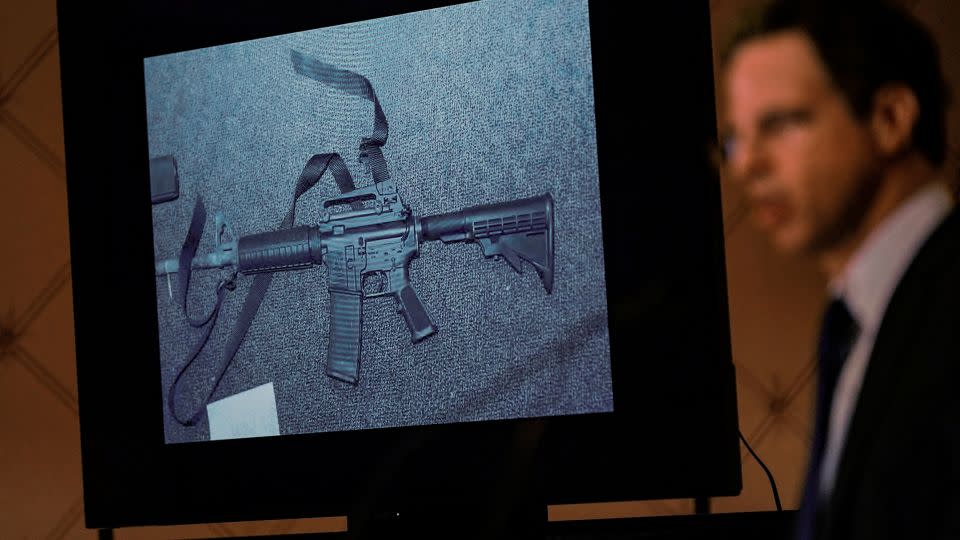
770,126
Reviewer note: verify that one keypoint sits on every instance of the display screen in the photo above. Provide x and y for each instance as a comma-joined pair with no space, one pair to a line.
400,225
440,257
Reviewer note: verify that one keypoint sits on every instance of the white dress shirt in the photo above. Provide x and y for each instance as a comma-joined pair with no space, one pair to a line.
866,285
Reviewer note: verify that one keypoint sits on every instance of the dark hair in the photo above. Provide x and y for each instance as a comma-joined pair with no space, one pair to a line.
865,45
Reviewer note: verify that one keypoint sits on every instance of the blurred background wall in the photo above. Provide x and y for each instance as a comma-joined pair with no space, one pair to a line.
774,307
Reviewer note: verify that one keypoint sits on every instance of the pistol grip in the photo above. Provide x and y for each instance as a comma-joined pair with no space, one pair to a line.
418,321
343,355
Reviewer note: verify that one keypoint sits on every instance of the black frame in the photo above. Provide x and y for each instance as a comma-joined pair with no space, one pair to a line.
656,177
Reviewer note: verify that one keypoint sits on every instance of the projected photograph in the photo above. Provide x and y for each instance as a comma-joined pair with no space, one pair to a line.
387,223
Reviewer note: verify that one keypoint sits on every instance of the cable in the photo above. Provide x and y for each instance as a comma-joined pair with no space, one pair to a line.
773,484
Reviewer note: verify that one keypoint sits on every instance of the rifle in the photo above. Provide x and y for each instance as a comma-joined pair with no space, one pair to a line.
381,238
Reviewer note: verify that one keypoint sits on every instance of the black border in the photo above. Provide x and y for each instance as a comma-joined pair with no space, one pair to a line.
674,433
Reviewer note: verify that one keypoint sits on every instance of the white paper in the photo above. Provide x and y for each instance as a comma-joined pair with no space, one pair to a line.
251,413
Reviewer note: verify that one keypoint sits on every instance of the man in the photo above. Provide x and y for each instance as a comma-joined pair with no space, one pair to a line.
835,130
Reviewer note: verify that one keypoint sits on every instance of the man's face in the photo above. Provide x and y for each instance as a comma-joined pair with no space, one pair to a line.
805,162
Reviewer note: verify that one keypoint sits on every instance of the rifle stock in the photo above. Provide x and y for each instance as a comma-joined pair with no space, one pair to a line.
514,230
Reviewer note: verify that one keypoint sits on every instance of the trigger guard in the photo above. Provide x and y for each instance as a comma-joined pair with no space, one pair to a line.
382,287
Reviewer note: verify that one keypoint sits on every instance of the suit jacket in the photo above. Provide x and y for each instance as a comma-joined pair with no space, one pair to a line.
899,474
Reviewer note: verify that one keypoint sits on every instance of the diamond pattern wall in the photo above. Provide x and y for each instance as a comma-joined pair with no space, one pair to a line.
774,304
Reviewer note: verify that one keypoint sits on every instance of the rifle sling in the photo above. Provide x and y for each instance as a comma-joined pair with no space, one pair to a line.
370,153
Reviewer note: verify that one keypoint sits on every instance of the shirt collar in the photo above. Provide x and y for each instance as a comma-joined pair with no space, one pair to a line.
868,281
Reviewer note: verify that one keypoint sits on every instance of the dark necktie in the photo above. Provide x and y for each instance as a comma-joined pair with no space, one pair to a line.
837,334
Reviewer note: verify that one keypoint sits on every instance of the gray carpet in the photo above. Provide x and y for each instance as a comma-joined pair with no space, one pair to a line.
486,102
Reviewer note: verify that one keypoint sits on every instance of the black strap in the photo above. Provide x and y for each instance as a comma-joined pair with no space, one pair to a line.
356,85
312,172
187,253
370,153
221,288
185,269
